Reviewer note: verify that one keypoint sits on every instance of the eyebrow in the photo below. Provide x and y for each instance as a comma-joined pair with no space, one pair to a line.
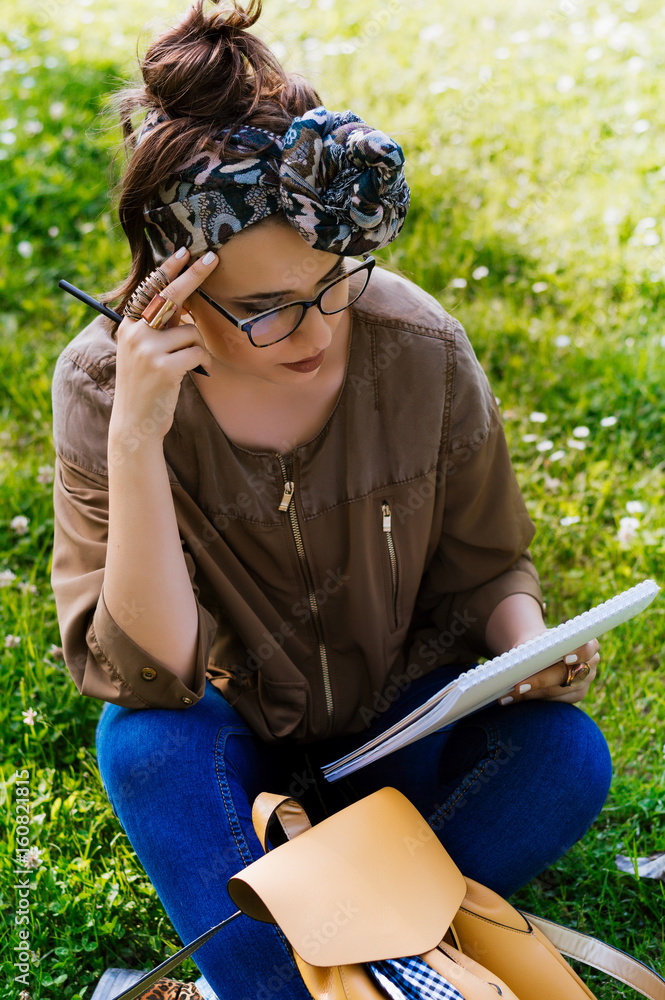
267,296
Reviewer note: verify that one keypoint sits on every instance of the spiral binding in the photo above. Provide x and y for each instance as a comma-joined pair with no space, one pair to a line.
594,617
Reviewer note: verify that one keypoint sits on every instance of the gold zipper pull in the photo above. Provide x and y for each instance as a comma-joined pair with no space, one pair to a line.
387,517
286,496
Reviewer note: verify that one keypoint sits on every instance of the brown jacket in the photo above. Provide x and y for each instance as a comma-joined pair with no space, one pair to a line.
404,530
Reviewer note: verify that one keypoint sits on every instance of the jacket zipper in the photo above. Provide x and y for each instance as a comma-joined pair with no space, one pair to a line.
287,505
387,530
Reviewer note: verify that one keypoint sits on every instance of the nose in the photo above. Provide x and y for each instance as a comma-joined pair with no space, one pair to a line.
314,332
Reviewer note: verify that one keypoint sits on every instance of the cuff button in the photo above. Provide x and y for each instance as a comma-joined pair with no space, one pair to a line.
148,673
186,701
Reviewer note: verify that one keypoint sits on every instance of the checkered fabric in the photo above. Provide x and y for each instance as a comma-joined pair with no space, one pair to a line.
411,979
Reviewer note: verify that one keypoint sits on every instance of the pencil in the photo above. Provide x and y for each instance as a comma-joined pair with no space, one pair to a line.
104,310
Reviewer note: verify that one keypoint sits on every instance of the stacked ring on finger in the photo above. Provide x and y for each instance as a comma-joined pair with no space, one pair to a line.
145,292
158,312
577,673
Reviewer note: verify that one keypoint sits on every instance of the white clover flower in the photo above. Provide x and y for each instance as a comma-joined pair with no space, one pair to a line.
537,418
24,248
574,443
556,456
635,507
45,474
29,716
628,528
19,524
529,438
6,577
544,445
563,340
11,641
565,83
608,421
29,587
31,858
581,432
539,286
458,283
480,272
612,215
571,519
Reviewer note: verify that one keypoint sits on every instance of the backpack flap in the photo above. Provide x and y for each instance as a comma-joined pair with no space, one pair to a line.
369,882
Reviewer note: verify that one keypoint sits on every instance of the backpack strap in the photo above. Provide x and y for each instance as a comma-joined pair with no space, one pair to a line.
603,957
269,808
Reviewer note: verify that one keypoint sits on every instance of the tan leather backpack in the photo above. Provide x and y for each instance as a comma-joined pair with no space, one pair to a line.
368,883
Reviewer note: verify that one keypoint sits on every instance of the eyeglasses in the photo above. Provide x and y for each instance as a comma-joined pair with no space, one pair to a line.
273,325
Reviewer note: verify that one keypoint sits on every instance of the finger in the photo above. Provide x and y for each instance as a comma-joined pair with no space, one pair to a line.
172,267
583,653
548,683
182,287
556,689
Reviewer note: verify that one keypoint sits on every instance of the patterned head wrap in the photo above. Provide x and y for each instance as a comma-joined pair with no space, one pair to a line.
339,182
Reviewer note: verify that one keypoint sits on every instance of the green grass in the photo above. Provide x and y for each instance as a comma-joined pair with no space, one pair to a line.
548,186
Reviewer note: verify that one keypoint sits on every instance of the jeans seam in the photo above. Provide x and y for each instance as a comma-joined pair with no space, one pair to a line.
492,736
232,815
227,798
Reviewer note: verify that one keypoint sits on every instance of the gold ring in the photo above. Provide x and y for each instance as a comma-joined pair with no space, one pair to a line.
158,312
577,673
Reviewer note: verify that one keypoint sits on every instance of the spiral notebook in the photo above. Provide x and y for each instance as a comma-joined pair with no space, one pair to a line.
485,683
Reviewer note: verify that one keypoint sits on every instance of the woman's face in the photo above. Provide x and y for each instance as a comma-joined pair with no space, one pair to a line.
263,266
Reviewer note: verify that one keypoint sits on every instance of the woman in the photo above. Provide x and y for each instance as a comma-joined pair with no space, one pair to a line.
301,545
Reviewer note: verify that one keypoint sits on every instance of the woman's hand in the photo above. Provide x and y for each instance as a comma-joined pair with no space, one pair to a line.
518,618
548,683
151,364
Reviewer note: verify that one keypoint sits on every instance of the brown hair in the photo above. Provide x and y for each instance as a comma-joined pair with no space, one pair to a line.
206,73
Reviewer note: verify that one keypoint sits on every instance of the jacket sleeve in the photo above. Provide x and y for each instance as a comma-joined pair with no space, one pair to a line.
482,556
102,659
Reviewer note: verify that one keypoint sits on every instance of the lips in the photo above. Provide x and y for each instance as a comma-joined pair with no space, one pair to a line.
307,364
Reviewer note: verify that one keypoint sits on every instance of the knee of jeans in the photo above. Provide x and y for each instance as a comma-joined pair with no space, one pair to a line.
597,771
583,760
132,749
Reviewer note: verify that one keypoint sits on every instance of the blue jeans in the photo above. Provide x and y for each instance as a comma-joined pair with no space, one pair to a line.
507,790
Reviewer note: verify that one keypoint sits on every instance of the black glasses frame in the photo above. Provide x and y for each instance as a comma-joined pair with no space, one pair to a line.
246,325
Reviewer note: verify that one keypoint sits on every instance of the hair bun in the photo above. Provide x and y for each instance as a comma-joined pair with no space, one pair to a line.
231,19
